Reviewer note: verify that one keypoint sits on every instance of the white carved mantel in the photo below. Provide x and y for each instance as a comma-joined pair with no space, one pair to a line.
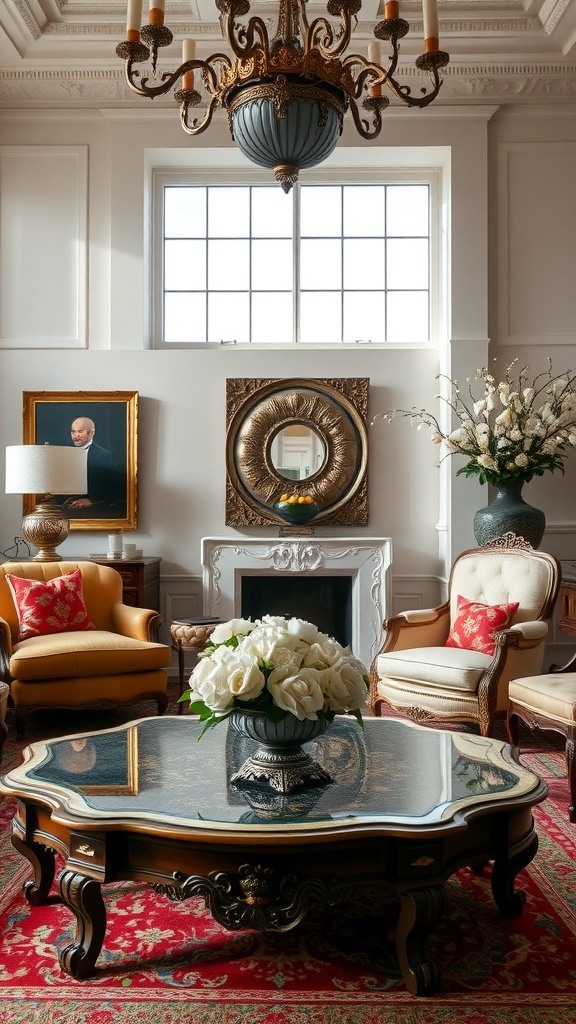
366,561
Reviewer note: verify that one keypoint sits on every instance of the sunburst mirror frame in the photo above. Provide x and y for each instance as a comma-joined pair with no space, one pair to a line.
336,409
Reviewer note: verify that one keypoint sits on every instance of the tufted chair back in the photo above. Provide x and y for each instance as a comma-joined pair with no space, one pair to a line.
499,575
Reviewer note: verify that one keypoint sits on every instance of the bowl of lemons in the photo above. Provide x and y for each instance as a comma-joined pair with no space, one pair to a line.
296,508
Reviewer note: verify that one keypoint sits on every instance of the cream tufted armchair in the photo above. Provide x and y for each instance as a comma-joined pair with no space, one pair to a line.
416,674
116,662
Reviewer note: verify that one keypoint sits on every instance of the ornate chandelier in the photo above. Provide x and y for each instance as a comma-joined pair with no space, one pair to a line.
285,95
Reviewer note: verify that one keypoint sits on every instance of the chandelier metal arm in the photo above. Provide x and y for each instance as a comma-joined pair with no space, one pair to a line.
245,39
320,35
140,85
369,75
210,76
372,75
196,127
368,129
403,92
393,57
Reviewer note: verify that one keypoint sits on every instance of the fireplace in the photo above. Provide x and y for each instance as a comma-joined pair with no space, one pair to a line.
324,600
341,584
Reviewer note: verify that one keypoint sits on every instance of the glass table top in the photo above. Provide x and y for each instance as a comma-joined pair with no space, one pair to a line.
158,770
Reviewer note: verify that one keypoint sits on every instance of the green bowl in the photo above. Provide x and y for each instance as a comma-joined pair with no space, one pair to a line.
294,513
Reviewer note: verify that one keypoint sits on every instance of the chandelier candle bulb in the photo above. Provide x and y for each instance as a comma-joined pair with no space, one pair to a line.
156,12
134,21
374,56
188,53
431,27
392,9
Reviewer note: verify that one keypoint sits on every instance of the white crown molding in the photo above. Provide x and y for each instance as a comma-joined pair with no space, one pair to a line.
78,87
501,51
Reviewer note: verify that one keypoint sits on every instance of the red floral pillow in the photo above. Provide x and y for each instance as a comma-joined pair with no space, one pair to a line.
476,624
51,606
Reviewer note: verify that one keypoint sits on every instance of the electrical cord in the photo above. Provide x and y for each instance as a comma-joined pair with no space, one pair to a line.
13,552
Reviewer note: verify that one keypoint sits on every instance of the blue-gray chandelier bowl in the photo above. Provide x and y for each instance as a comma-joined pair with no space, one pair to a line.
286,124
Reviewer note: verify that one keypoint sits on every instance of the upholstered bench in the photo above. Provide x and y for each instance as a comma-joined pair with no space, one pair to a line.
548,702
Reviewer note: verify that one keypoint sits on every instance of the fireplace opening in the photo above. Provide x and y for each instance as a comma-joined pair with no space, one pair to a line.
324,600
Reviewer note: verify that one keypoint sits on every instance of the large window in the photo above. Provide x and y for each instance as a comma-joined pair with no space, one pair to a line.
328,264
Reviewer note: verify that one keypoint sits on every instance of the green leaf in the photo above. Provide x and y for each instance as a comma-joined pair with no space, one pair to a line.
358,716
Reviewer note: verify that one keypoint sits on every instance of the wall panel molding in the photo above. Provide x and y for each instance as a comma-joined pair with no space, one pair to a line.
43,246
536,296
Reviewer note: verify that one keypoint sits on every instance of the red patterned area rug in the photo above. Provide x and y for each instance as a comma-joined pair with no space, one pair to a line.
170,963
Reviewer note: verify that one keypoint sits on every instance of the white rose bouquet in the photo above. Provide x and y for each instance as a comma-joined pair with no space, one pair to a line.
513,430
277,666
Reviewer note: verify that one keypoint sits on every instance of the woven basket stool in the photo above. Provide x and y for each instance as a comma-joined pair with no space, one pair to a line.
189,635
547,702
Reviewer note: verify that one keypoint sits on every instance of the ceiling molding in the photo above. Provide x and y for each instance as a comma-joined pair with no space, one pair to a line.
504,51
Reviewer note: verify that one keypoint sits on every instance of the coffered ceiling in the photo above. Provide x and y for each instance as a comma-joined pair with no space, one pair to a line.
62,52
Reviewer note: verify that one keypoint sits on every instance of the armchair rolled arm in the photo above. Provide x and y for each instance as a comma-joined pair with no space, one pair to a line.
419,615
138,623
537,630
5,648
419,627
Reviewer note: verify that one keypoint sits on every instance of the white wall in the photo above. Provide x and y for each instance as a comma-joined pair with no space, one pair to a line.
503,172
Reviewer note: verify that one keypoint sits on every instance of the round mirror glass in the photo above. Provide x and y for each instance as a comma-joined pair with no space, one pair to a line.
297,452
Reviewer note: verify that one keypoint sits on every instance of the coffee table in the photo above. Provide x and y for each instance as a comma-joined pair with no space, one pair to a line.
147,801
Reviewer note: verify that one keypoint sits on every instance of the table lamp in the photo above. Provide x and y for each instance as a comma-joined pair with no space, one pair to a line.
44,469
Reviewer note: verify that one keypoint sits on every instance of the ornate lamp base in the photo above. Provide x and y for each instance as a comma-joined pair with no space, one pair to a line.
46,527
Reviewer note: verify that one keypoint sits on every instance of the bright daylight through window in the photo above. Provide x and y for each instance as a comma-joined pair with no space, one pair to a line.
326,264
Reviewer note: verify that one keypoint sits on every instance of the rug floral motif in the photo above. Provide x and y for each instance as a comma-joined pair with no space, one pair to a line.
171,963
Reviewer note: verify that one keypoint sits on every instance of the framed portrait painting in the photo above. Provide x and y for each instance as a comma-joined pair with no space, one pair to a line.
105,422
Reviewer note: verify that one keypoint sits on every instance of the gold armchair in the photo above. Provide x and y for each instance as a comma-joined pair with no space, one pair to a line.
416,674
117,662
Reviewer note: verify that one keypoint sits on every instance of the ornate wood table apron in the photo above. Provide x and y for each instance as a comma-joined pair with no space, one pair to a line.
147,802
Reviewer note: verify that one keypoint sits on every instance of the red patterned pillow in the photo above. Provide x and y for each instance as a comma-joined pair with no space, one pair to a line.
476,624
51,606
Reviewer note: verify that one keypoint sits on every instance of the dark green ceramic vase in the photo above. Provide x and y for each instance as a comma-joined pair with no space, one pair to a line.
509,513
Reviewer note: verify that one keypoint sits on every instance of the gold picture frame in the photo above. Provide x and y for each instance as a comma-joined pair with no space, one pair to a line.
48,416
334,409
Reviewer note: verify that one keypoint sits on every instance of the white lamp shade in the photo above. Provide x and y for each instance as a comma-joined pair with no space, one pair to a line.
46,469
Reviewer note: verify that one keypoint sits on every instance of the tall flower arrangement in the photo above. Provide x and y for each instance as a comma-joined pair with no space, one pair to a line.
277,666
515,429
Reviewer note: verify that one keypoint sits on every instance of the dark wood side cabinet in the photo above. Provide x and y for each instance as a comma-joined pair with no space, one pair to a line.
140,579
567,621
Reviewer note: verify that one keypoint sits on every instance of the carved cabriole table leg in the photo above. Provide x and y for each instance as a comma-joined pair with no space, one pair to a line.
43,862
84,897
504,871
420,911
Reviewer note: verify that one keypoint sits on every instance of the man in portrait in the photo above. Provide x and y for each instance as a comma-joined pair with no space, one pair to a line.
106,488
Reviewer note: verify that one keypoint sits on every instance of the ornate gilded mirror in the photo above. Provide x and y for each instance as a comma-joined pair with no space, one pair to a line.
298,436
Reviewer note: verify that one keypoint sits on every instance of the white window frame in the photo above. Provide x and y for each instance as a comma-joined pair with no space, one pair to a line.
431,176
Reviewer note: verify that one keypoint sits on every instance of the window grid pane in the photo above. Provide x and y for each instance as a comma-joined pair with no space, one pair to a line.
355,267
